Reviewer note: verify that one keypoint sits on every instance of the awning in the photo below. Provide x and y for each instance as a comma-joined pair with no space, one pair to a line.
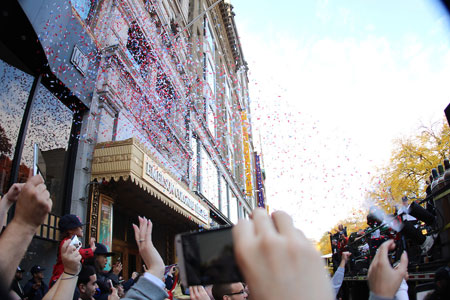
130,160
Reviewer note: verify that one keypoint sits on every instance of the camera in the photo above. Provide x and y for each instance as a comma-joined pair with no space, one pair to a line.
75,242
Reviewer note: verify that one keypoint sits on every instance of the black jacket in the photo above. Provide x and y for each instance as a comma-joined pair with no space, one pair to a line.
16,287
33,294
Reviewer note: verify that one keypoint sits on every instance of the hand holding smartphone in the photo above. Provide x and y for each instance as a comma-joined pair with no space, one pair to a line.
207,257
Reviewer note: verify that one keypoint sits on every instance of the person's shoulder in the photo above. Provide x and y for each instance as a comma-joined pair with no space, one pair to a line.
28,284
30,281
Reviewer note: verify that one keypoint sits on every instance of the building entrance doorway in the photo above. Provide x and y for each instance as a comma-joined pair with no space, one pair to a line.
129,256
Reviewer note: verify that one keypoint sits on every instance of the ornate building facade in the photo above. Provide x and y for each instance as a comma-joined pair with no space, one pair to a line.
165,125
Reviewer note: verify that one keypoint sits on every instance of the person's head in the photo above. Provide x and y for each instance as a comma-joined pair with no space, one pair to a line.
341,227
70,225
229,291
78,231
101,256
101,261
87,282
19,274
405,201
37,272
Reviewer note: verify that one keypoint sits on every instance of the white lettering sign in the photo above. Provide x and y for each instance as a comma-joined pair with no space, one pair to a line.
79,60
153,171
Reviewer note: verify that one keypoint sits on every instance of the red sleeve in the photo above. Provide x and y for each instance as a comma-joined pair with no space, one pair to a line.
86,253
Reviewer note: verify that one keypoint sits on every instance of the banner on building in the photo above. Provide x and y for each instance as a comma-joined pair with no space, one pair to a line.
259,183
247,159
105,222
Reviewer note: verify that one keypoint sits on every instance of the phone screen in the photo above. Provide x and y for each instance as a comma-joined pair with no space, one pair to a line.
35,159
208,257
39,166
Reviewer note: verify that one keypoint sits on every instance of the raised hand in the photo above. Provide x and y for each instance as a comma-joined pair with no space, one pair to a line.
198,292
151,257
117,268
113,295
11,196
92,244
277,260
384,280
71,258
33,203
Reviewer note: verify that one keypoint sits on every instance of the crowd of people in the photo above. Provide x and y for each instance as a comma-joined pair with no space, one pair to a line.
404,229
276,260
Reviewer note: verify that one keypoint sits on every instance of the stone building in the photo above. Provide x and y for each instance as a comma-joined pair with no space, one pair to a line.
163,128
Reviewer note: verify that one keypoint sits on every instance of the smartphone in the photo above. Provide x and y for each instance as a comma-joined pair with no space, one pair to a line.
109,283
207,257
35,159
39,166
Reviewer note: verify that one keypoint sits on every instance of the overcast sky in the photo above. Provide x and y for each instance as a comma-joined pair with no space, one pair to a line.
332,83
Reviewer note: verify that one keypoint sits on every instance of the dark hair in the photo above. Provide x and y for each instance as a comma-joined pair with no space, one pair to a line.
220,290
92,261
86,272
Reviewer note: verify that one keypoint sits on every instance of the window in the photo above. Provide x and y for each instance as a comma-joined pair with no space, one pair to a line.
233,208
209,76
210,117
223,196
230,159
227,92
209,38
229,124
240,210
209,178
84,8
194,164
14,88
49,126
138,47
165,91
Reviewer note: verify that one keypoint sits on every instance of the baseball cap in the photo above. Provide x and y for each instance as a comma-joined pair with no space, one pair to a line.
102,250
19,269
69,222
36,269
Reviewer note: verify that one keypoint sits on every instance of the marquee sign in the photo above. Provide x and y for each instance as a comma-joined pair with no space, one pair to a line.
153,173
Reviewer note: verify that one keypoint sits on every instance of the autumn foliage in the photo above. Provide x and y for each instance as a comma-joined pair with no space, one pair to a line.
410,165
406,174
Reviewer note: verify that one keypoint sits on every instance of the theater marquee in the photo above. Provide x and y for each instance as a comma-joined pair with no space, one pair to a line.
130,160
156,176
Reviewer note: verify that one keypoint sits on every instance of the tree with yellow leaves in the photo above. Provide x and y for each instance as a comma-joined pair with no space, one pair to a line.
410,166
406,174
